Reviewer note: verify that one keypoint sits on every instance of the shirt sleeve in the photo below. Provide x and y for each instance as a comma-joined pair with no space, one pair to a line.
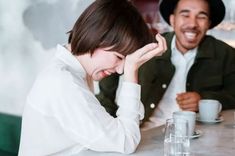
100,131
133,106
69,108
106,133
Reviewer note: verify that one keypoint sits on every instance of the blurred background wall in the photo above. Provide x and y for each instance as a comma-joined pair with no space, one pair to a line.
30,30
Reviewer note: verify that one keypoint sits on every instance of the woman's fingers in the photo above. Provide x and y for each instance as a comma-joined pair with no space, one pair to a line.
161,43
142,55
147,52
150,51
149,47
152,48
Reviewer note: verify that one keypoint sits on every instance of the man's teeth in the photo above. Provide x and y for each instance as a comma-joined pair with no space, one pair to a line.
190,35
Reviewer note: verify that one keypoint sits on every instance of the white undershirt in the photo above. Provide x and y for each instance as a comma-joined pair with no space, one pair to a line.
168,104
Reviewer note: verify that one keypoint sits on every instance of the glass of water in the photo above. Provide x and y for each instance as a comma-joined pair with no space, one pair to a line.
176,141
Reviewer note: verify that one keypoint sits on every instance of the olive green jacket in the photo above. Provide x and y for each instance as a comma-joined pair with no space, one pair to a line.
212,76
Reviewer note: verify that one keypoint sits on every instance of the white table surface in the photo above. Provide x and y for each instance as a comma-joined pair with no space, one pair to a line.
217,140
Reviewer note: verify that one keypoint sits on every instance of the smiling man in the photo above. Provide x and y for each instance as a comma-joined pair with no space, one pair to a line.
195,66
190,20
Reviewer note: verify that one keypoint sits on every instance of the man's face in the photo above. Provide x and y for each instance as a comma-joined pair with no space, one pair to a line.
190,22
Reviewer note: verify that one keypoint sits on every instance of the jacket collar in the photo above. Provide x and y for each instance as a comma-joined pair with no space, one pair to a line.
206,48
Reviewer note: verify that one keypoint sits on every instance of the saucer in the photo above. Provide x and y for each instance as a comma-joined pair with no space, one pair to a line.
218,120
197,134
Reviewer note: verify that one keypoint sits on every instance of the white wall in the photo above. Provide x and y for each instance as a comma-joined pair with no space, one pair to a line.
30,30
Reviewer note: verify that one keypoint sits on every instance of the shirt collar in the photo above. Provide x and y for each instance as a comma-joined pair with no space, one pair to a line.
175,50
69,59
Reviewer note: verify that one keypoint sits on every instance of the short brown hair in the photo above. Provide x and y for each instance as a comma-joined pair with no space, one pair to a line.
109,23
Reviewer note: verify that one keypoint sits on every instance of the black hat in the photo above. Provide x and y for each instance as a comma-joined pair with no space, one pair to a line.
217,10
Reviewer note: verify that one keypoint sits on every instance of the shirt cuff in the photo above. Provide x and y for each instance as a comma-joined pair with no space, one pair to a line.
129,89
129,100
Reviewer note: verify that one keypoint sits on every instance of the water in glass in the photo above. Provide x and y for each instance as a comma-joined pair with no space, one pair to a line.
176,142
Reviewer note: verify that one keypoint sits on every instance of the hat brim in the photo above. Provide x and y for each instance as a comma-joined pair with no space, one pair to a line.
217,10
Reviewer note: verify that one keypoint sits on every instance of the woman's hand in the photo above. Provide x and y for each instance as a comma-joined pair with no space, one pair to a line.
142,55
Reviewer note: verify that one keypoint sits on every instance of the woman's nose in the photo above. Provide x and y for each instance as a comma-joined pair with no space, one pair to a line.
120,67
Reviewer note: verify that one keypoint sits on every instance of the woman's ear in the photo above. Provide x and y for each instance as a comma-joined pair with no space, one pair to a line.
172,20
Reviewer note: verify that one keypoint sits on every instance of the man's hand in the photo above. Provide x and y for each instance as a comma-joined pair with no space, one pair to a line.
188,101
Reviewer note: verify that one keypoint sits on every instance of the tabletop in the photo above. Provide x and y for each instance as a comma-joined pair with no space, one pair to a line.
217,139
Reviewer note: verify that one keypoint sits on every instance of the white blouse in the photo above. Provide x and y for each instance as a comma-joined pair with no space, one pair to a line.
62,116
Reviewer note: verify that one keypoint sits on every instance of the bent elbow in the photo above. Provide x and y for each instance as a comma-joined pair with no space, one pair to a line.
131,144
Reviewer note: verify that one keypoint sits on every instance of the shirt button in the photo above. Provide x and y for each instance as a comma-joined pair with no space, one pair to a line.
152,105
188,84
164,86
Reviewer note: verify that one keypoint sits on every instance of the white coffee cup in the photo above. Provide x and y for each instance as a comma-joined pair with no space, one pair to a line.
209,109
189,116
